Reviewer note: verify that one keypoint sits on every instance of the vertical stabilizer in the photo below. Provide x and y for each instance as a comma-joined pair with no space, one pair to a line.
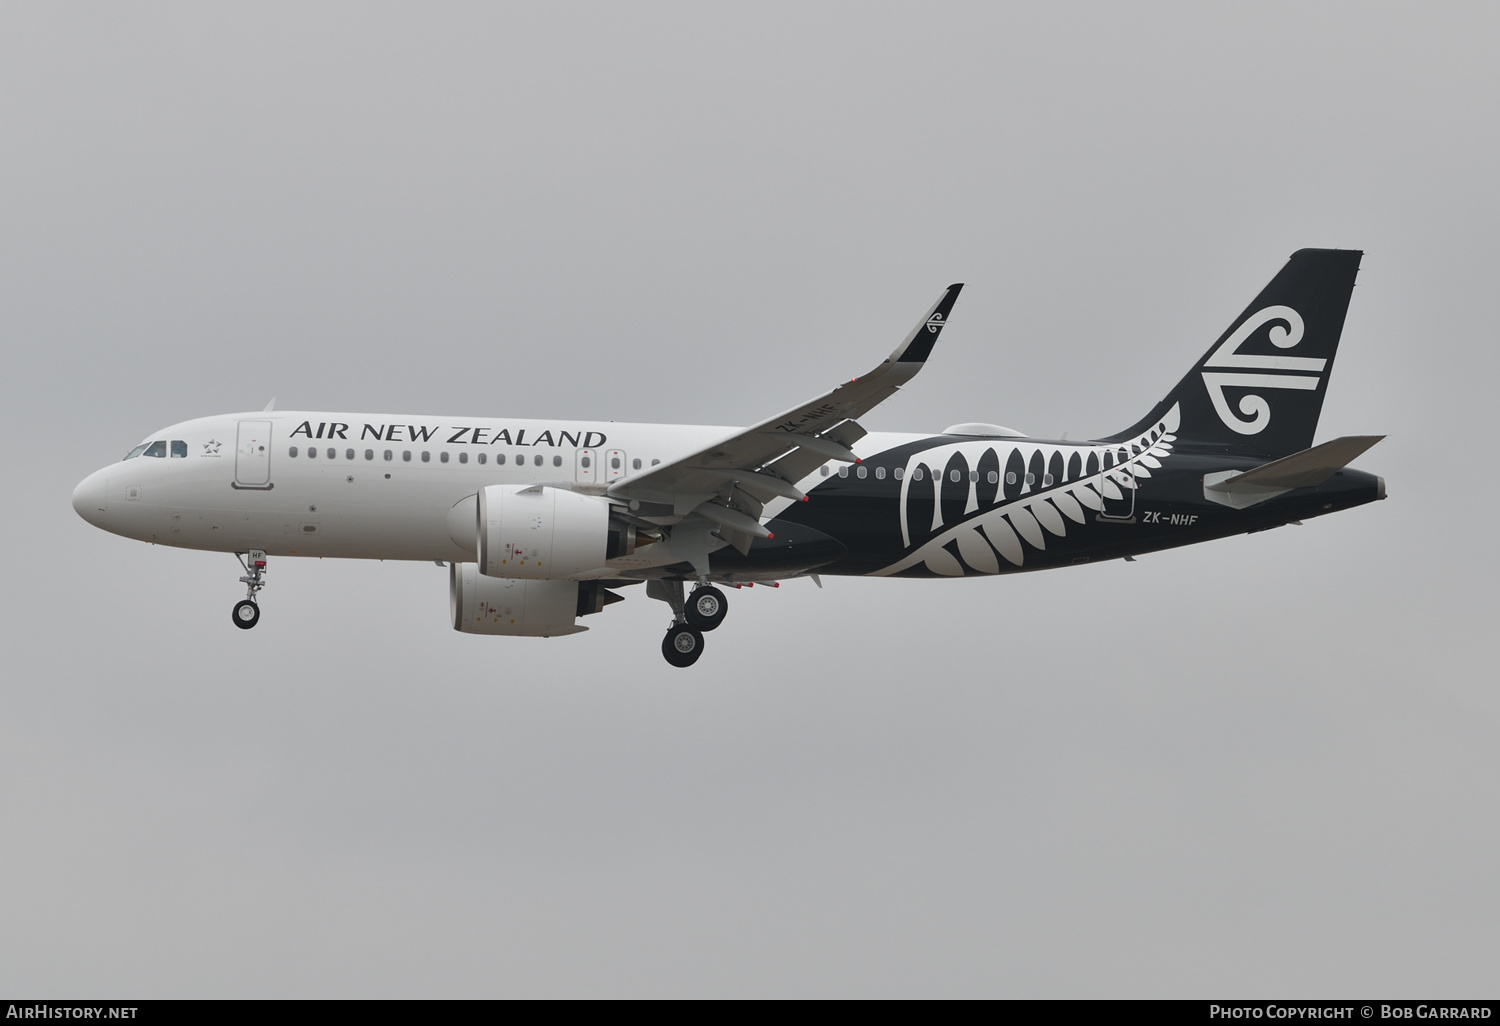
1260,388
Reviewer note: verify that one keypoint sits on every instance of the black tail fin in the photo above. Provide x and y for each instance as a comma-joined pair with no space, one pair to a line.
1260,388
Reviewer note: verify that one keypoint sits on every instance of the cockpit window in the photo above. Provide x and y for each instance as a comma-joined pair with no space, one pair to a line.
179,450
133,453
157,449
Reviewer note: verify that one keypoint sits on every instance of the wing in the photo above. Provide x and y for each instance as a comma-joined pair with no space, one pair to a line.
729,482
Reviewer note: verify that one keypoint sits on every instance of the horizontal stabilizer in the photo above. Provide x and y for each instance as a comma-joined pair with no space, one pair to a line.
1306,469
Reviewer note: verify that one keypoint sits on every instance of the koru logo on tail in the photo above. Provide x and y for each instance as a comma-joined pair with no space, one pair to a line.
1255,407
935,323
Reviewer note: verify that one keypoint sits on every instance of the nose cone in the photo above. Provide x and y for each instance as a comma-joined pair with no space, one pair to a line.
88,498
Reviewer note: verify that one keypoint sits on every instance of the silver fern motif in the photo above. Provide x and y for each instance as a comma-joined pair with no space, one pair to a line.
1038,489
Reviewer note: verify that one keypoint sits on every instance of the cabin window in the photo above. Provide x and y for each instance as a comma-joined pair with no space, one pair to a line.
954,475
860,472
481,457
463,457
290,452
1010,477
880,473
405,455
388,455
993,477
614,462
179,450
1030,478
499,459
348,454
537,459
312,453
369,454
426,456
823,470
917,475
1046,480
843,471
157,449
655,462
442,457
973,476
520,459
333,454
899,473
585,462
133,453
635,464
557,461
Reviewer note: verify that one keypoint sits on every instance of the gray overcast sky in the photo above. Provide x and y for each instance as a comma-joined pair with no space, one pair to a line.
1265,766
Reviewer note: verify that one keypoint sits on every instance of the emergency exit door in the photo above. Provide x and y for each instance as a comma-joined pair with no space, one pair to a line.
586,466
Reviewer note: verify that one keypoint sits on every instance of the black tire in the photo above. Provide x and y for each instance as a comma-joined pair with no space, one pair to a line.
706,608
246,615
683,645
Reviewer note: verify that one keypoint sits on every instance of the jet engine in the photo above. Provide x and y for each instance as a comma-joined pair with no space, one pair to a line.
505,605
539,533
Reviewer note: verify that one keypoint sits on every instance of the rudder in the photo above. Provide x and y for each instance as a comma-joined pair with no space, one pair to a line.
1260,388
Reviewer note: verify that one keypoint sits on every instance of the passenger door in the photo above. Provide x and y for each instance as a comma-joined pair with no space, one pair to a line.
252,455
1117,485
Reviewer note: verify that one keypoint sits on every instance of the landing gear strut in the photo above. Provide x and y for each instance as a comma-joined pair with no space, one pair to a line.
246,612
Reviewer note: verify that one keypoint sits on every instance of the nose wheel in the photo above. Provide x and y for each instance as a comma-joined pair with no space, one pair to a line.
246,611
246,614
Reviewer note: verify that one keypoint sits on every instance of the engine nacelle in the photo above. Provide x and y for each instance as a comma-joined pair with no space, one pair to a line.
504,605
541,533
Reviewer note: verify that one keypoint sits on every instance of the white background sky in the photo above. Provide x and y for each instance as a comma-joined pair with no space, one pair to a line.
1265,766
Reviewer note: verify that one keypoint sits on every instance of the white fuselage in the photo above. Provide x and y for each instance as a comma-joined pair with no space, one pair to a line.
374,487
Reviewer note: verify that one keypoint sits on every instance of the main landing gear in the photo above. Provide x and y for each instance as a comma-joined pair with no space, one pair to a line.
683,644
246,612
706,608
703,611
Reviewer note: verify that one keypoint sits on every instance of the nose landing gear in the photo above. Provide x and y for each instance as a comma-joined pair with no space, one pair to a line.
246,612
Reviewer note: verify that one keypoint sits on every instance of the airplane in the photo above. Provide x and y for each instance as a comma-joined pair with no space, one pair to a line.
542,523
